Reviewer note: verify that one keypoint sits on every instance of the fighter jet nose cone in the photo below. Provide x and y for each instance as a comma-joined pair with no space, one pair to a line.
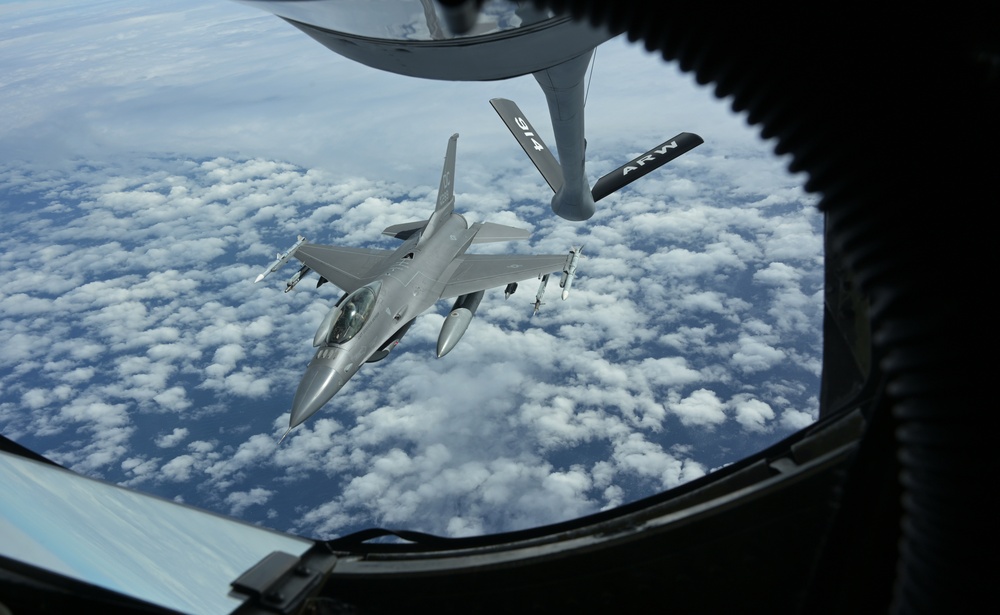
318,386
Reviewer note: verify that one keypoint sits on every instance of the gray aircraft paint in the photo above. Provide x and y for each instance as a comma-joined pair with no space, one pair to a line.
431,264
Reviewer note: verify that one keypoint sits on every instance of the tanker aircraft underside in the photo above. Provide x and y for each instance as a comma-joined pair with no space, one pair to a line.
488,40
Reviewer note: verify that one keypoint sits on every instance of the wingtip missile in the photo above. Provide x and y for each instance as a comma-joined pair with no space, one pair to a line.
570,271
280,260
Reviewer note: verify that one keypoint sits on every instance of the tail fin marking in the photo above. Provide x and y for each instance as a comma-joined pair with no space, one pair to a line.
446,192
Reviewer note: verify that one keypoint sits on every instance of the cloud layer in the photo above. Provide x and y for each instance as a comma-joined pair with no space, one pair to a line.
139,351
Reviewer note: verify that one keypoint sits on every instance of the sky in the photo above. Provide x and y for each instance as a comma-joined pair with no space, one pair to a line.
154,158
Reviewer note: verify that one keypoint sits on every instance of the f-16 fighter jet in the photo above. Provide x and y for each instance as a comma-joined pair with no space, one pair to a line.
385,290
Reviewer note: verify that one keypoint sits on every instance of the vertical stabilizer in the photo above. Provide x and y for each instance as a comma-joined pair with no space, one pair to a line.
446,193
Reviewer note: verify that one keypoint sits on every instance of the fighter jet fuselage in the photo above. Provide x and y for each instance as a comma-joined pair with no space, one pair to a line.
409,284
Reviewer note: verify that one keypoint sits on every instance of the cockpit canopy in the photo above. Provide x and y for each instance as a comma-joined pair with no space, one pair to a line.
347,317
354,312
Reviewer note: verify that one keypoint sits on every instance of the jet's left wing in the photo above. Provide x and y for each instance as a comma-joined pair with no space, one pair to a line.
476,272
348,268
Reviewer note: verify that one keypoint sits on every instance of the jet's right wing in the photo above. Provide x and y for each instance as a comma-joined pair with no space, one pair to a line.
476,272
348,268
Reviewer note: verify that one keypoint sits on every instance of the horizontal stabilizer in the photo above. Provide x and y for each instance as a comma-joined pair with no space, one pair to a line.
492,232
529,140
650,161
403,231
